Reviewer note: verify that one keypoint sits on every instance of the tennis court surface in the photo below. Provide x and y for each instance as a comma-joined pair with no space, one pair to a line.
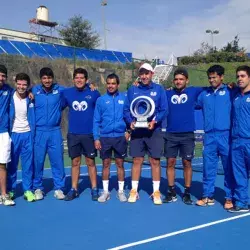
84,224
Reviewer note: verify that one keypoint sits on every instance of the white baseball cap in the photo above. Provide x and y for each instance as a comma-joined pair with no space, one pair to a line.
146,66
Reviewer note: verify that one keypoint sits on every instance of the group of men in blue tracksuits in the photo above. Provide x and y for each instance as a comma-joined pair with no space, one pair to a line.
106,123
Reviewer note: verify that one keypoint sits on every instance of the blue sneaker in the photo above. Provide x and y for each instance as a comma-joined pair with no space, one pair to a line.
94,193
71,195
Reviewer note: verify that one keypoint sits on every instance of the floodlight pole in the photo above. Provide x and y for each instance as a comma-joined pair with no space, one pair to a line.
212,32
103,4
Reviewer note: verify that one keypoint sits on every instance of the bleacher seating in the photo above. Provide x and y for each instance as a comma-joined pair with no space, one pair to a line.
55,51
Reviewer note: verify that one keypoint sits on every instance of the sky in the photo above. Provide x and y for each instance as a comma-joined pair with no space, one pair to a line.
147,28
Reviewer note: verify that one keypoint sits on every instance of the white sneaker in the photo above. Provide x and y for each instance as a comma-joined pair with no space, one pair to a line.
39,194
6,200
105,196
121,196
58,194
157,197
133,196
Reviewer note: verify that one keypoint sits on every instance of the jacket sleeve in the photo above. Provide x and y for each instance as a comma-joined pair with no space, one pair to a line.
126,110
97,120
199,101
64,102
162,112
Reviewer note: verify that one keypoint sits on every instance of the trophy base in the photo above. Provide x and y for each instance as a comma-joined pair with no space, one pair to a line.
141,125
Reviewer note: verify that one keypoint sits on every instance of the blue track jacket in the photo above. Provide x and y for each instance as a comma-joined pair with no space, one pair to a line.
30,114
155,92
5,94
108,116
241,116
48,107
216,107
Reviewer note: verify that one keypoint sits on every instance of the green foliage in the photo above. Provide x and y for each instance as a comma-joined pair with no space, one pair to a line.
216,57
233,46
203,50
79,33
232,52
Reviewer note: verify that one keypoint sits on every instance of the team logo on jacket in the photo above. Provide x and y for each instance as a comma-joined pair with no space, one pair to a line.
55,91
107,102
222,92
5,93
31,105
179,99
120,101
153,93
248,99
88,97
79,106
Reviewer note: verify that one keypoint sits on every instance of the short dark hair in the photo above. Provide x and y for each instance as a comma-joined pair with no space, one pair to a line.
23,76
216,69
3,69
243,68
80,71
113,76
181,71
46,72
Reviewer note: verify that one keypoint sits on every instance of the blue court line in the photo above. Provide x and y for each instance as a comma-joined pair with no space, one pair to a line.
136,243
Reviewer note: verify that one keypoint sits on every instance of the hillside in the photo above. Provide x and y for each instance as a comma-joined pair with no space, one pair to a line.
198,76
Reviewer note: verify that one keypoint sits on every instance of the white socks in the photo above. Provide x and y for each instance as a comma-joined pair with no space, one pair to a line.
121,185
135,185
105,184
156,185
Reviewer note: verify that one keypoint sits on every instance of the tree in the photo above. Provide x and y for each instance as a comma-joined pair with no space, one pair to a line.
203,50
78,32
233,46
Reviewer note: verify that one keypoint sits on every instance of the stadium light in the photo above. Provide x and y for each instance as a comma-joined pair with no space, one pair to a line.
212,32
103,4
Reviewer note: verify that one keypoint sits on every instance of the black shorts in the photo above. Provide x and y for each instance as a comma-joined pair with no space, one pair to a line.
150,143
81,145
181,144
118,145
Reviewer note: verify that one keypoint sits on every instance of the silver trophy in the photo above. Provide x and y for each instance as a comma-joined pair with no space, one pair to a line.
142,118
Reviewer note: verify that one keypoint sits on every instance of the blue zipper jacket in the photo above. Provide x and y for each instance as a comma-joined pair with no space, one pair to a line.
155,92
30,114
241,116
5,95
108,116
216,107
48,107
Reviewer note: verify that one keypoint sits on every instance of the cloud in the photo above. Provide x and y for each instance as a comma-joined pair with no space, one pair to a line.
185,33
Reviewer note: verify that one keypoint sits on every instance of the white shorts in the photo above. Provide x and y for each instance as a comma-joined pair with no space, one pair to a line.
5,147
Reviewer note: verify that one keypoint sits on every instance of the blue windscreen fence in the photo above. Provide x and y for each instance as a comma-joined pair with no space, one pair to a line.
55,51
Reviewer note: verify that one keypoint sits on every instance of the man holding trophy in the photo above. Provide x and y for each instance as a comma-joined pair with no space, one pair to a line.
145,108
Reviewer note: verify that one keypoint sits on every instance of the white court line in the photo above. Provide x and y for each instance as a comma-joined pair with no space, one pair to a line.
46,169
179,232
100,165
